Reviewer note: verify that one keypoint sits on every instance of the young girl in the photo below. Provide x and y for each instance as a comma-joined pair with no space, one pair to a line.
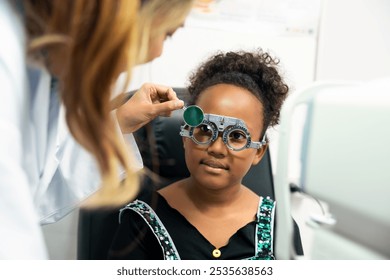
211,214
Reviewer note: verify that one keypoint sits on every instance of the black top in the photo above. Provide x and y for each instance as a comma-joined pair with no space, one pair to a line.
134,239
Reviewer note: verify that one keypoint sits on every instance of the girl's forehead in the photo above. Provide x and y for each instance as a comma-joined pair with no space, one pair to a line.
228,96
232,101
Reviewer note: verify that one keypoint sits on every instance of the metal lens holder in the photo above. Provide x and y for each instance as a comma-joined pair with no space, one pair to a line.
218,124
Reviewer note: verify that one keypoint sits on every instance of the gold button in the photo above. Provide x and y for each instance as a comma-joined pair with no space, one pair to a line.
216,253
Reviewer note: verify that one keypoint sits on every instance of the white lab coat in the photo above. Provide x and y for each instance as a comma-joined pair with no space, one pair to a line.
44,173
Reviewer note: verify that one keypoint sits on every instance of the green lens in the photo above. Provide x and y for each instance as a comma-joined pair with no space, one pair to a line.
193,115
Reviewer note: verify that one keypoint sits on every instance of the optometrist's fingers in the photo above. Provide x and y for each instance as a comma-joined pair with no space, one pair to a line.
148,102
166,108
160,93
164,98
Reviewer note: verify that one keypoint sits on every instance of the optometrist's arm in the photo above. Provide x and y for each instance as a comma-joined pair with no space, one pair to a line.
20,234
148,102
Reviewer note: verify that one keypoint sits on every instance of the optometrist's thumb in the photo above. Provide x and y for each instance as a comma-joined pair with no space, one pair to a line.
167,107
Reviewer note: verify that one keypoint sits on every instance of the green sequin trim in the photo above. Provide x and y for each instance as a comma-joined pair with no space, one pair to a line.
264,231
157,227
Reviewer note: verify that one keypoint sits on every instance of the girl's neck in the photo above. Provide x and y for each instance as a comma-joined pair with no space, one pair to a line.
216,198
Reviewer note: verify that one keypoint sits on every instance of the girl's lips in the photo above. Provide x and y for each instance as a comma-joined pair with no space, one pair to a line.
214,164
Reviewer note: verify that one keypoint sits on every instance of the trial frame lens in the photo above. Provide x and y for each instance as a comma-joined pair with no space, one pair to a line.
193,115
236,138
234,132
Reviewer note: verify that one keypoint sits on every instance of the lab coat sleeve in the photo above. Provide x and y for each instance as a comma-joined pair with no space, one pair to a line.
75,178
20,234
77,175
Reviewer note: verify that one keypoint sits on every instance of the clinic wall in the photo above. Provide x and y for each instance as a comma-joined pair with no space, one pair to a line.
354,40
191,45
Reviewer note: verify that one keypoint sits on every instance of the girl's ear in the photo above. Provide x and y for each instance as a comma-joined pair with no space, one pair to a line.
259,154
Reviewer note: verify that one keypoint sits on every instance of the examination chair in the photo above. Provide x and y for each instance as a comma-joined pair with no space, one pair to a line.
162,151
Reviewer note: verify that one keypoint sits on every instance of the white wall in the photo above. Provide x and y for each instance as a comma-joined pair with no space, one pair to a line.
354,41
191,45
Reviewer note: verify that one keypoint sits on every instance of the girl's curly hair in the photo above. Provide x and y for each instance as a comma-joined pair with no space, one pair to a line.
254,71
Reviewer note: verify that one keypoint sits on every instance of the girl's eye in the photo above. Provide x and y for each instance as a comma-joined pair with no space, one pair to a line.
237,136
205,128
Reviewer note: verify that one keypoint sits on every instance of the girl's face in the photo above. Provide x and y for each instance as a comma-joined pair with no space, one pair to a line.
215,166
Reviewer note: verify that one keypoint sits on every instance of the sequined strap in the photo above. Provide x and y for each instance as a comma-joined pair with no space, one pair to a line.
264,231
152,220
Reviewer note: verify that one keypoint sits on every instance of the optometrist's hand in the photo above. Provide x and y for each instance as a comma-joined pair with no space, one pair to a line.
148,102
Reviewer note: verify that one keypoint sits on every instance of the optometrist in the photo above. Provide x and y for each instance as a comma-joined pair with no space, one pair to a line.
44,171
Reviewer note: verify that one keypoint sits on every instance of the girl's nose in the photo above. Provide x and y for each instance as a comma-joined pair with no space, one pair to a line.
217,147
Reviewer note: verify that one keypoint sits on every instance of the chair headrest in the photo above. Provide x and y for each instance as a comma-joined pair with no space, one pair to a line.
161,146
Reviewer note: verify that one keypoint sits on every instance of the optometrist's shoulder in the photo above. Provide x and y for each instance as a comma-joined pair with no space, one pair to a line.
58,150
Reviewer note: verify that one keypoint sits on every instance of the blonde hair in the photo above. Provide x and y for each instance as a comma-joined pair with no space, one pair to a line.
94,41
